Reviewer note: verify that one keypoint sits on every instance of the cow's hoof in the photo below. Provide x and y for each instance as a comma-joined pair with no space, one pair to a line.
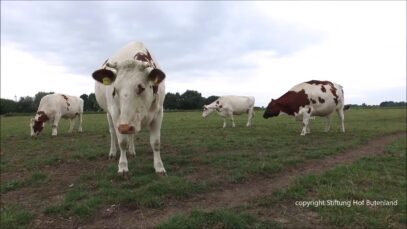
124,174
161,174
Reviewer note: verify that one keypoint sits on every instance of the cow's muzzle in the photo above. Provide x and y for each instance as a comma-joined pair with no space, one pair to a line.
126,129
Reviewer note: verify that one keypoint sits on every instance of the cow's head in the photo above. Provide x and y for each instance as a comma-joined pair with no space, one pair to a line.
37,123
134,85
272,110
207,110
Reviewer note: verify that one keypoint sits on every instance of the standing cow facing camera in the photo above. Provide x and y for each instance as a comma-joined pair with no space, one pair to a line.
312,98
130,87
52,108
229,105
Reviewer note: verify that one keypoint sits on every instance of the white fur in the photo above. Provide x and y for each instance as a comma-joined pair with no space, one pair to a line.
55,106
320,109
127,107
229,105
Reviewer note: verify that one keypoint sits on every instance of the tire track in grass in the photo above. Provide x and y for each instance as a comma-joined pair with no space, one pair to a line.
233,195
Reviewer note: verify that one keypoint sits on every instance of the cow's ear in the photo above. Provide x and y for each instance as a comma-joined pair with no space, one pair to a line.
104,76
156,76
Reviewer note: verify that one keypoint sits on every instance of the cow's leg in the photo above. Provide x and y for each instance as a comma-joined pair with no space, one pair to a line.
113,137
55,124
342,119
233,121
71,125
305,122
251,115
123,145
309,127
132,151
80,122
155,133
224,122
328,123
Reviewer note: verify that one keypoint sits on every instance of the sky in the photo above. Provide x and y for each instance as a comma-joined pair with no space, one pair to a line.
259,49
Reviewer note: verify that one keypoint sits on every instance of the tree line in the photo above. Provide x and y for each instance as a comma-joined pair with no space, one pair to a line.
189,100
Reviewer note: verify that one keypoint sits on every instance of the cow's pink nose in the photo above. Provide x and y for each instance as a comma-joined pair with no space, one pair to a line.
126,129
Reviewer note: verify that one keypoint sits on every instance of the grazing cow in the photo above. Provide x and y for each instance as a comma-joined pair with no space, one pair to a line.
130,88
227,106
312,98
52,108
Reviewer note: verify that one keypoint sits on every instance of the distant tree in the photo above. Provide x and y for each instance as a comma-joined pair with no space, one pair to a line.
93,104
191,100
392,104
8,106
172,101
38,97
26,104
211,99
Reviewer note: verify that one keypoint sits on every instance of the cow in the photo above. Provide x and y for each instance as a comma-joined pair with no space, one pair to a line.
52,108
229,105
130,87
307,99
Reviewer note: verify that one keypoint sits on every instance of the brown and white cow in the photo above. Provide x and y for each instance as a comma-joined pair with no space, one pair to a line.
312,98
130,88
52,108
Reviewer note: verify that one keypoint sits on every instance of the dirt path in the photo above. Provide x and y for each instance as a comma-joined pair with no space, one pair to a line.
233,194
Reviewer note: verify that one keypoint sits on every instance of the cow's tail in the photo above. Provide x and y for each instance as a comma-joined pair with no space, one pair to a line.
346,107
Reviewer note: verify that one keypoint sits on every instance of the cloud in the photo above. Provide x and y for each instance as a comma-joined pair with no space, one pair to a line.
254,48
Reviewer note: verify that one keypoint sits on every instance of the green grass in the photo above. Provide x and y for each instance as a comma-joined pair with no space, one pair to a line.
369,179
36,179
197,153
222,218
13,216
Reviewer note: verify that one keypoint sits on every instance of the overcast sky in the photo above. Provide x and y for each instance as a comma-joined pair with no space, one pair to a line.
260,49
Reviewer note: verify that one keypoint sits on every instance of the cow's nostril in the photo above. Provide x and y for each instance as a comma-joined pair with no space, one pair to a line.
126,129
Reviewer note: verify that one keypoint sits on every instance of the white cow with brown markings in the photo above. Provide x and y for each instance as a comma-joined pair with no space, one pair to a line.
308,99
229,105
52,108
130,87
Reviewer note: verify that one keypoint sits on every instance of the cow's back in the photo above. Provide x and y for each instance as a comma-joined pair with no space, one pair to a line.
324,97
239,104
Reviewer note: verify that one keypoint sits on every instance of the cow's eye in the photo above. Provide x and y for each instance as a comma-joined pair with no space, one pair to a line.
140,89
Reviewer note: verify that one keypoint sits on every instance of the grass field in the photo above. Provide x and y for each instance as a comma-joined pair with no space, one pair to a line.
68,181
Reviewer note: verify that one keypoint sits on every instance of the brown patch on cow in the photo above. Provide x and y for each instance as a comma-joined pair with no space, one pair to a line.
65,97
68,104
145,57
155,89
39,122
288,103
220,106
309,110
321,100
333,91
140,89
313,101
323,88
217,102
76,114
114,92
319,82
247,111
